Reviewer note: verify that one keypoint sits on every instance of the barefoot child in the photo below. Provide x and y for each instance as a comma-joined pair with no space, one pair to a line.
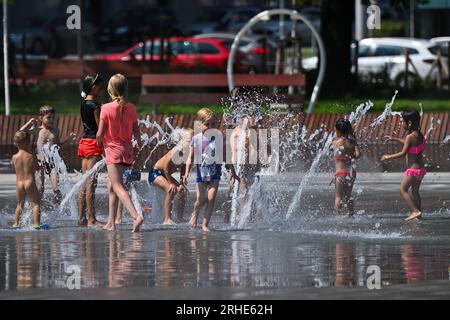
208,171
118,122
161,176
25,165
413,146
88,149
345,150
49,134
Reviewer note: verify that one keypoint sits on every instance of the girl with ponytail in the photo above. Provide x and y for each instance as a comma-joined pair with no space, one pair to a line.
118,123
413,147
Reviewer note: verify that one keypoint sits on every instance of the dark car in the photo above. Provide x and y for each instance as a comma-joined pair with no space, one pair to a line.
126,29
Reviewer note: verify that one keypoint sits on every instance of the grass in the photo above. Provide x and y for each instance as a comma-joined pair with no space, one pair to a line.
66,100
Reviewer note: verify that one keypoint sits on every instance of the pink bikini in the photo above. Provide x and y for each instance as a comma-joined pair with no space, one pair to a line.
418,173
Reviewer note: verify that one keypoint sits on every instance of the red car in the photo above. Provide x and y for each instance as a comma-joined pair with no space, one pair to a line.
185,53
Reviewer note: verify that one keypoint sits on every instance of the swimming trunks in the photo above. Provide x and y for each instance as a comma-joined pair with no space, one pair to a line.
154,173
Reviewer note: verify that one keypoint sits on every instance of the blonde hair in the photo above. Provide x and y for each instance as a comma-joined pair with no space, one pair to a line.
21,138
117,90
205,114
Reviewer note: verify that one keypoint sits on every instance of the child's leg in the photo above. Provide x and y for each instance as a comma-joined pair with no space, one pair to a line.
113,204
35,198
415,193
82,198
339,195
20,196
90,192
54,180
212,192
181,206
162,183
202,198
349,199
119,214
115,174
406,183
40,181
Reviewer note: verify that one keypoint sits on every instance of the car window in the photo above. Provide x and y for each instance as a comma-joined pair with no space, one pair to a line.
385,50
182,47
156,48
364,51
434,49
206,48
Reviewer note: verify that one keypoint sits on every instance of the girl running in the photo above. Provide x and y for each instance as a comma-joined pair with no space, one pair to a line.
118,122
413,146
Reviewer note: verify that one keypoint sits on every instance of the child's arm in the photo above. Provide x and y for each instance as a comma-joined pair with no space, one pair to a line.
101,133
400,154
137,134
71,138
390,138
30,127
188,165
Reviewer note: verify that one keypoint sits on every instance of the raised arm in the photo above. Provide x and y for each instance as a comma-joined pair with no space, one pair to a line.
400,154
390,138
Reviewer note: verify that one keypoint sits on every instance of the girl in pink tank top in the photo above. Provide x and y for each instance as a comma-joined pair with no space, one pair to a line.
413,147
118,123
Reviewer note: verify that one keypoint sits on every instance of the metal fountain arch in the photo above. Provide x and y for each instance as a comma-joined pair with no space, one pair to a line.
265,16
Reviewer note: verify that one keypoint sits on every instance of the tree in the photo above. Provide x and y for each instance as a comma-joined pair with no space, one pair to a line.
336,28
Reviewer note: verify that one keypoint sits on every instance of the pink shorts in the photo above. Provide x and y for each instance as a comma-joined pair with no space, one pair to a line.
417,173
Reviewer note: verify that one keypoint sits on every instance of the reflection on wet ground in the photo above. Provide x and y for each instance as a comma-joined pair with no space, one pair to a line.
169,259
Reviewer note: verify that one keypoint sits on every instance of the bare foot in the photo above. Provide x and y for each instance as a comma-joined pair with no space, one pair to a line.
137,224
95,224
110,227
414,215
82,223
193,222
169,222
118,221
205,228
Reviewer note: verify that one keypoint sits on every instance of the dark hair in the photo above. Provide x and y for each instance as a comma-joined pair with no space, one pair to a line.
345,127
44,110
412,119
89,82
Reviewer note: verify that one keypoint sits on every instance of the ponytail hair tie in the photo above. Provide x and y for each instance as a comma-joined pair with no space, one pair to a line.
83,95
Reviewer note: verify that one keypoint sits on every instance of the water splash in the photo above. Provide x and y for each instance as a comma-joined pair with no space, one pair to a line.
387,112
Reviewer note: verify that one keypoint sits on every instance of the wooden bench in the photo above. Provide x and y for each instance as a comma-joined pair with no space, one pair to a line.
213,80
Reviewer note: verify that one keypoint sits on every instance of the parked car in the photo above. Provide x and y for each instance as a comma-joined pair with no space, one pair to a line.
185,53
441,43
132,26
377,55
251,49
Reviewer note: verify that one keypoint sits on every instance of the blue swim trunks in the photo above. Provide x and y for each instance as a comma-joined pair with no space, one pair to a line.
154,173
130,176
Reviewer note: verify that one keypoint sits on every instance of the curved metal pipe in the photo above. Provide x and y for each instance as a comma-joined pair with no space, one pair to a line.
265,15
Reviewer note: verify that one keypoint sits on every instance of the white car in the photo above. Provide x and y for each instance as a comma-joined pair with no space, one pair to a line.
377,55
442,43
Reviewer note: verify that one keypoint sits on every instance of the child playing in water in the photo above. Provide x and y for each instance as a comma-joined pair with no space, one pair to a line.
345,150
413,146
88,149
118,122
25,164
208,172
49,134
161,176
